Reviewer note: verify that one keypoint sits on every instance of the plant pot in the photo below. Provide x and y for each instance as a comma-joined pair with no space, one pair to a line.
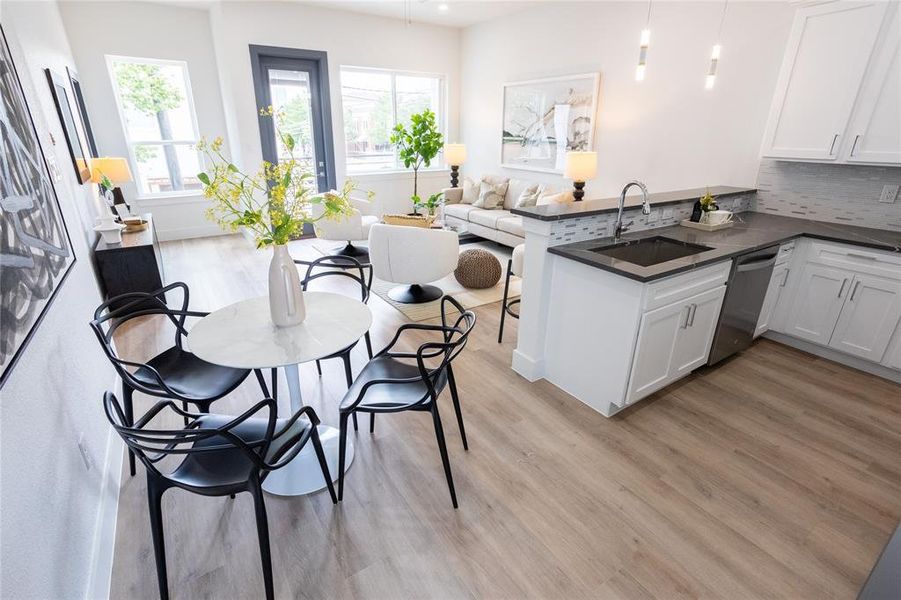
286,304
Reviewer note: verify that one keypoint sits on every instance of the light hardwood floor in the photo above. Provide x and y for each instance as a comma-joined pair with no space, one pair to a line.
775,475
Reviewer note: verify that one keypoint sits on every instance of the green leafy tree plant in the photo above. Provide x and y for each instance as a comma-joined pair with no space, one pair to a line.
418,145
146,89
275,202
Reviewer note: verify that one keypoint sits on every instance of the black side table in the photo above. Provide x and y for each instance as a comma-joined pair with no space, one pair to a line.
135,265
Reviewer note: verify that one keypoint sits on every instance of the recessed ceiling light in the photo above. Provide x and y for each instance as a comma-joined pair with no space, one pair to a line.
443,7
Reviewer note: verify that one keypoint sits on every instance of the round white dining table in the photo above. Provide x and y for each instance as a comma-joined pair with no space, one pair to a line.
242,335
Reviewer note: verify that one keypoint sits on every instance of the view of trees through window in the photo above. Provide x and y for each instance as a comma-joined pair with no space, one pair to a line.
373,101
153,99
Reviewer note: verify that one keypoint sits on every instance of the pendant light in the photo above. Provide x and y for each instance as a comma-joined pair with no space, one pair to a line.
715,53
643,50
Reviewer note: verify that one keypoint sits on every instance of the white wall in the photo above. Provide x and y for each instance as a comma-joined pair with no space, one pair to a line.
667,130
58,515
147,30
349,39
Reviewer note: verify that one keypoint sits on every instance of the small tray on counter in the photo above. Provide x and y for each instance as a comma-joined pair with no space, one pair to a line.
706,226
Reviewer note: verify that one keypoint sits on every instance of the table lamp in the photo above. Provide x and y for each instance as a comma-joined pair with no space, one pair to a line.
580,167
116,171
455,155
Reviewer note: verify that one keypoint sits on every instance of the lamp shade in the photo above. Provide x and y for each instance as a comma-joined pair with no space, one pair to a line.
581,166
455,154
116,169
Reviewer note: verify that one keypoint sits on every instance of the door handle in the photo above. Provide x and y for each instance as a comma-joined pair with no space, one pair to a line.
854,290
691,314
832,146
842,289
854,145
684,324
785,279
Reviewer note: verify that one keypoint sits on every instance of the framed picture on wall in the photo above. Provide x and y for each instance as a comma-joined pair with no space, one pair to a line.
545,118
59,85
35,249
78,96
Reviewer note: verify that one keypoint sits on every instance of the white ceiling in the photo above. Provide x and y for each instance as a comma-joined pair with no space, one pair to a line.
459,13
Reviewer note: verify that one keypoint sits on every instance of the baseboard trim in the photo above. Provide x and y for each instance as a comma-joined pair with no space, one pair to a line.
104,544
839,357
531,369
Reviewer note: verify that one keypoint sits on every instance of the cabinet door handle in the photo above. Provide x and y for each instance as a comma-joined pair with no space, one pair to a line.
684,324
854,290
842,289
691,314
785,279
854,145
861,256
832,145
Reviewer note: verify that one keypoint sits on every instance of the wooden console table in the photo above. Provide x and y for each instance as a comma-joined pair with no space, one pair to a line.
135,265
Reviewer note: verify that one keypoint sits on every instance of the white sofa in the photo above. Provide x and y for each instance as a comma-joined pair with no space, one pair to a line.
498,224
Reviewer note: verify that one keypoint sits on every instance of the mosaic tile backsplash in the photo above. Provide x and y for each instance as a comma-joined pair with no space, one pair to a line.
837,193
599,226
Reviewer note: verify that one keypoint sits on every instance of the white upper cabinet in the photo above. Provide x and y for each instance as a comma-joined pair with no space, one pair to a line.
832,86
875,132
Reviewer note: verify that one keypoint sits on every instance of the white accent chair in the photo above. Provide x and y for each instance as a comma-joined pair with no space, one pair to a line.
353,228
413,256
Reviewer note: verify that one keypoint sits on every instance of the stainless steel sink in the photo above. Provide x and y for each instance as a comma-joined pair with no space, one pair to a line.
649,251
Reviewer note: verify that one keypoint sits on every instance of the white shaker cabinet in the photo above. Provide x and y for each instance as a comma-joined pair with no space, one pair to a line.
773,293
820,296
838,96
673,341
869,317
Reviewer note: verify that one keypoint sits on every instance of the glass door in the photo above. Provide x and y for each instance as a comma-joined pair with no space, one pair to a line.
295,83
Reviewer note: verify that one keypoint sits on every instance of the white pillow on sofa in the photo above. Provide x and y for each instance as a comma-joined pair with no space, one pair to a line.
559,198
529,196
491,195
470,191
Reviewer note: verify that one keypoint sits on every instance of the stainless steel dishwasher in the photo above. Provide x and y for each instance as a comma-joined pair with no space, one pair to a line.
748,282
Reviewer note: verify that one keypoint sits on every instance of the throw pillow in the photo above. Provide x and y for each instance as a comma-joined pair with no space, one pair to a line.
491,196
529,196
559,198
470,191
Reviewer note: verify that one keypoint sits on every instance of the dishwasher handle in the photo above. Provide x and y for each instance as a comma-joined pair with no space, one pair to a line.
760,263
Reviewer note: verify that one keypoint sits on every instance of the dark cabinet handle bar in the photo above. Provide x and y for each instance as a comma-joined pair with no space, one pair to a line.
832,147
854,290
842,289
854,145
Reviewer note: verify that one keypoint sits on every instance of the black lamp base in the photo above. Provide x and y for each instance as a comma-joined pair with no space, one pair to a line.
455,172
578,190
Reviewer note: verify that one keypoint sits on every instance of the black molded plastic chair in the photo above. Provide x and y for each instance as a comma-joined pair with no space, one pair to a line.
220,456
175,373
388,384
347,267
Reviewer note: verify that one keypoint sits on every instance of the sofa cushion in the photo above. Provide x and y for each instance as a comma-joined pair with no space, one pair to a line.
514,190
560,198
511,225
488,218
459,211
491,195
470,191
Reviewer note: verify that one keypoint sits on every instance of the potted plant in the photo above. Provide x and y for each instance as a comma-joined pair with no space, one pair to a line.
708,204
417,146
431,204
273,204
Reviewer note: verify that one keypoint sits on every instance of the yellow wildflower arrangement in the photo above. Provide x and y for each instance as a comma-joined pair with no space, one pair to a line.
275,202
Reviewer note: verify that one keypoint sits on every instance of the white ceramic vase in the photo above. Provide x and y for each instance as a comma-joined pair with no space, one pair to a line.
285,296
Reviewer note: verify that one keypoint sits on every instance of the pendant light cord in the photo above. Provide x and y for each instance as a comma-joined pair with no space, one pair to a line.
722,19
648,19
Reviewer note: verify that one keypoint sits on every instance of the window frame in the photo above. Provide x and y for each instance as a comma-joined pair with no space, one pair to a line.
442,119
131,144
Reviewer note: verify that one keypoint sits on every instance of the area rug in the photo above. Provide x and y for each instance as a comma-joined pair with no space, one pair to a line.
467,297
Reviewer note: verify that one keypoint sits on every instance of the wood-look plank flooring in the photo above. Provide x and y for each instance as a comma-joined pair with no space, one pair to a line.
774,475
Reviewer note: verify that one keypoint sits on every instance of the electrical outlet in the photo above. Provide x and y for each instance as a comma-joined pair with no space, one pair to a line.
668,212
654,216
889,193
88,463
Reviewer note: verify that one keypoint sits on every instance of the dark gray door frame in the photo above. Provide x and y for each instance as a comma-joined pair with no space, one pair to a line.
265,57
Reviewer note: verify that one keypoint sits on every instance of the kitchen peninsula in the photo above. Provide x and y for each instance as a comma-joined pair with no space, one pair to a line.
611,332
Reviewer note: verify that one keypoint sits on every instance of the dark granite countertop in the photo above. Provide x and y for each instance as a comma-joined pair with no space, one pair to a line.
752,231
586,208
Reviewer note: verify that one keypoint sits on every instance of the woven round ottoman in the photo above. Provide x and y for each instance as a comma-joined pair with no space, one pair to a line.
478,269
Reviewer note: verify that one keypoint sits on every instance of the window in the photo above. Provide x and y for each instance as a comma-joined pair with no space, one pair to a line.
157,112
373,101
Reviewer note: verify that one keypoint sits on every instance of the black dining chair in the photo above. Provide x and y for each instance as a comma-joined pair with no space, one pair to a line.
175,373
349,268
390,383
216,455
